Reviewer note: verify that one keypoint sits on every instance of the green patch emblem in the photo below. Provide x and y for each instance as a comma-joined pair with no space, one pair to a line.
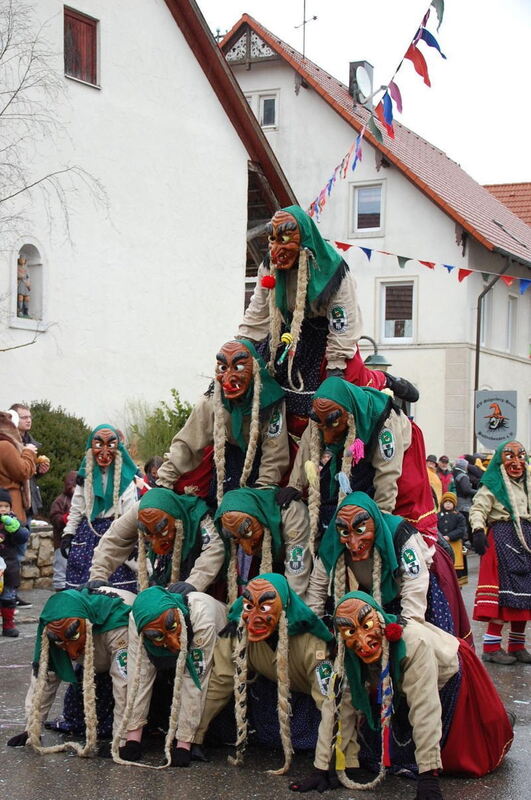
205,536
275,424
338,319
411,562
121,662
386,442
295,560
198,659
323,673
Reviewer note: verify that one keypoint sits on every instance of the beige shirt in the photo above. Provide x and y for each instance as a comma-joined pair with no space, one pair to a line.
341,344
297,555
186,449
78,508
486,509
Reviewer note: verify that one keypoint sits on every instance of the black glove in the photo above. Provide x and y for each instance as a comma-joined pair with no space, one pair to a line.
95,584
428,787
180,757
181,587
19,740
285,495
318,781
198,754
480,541
335,373
229,629
131,751
104,750
66,544
402,388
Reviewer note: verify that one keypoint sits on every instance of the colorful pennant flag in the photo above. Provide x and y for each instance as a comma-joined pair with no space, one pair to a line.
395,94
367,251
419,62
429,264
524,285
448,267
375,130
438,5
402,261
507,279
342,246
430,40
463,273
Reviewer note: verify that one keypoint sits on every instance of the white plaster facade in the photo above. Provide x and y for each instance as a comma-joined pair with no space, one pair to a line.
144,292
310,139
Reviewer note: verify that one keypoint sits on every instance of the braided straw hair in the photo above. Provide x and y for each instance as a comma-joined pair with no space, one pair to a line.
89,701
132,695
314,488
514,505
283,703
266,559
239,656
118,463
143,577
88,489
232,573
220,438
298,313
254,428
340,578
275,326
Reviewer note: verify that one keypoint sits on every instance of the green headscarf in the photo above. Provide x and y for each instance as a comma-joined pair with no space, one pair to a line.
357,672
186,507
104,612
328,265
301,619
149,605
493,479
386,526
368,406
103,500
259,503
271,393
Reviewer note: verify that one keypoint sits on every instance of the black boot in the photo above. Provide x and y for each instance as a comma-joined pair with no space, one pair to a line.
402,388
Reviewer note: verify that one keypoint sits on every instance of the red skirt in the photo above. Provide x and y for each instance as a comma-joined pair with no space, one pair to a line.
481,734
486,602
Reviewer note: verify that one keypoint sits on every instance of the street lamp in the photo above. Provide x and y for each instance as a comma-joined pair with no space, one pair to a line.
375,360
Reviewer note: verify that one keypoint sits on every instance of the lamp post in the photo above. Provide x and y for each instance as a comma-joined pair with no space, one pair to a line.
375,360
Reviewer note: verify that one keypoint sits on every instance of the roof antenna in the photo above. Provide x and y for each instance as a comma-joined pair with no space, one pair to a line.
303,26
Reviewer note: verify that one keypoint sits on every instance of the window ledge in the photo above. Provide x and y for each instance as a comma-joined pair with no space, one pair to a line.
377,233
28,324
84,83
269,127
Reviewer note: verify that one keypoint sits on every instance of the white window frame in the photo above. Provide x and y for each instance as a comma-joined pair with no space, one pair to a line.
382,284
273,95
365,233
511,323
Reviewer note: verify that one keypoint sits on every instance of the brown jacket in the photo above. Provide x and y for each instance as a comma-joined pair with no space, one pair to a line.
17,465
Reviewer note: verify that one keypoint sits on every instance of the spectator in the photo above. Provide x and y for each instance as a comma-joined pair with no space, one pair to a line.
435,481
451,525
12,533
58,517
463,489
475,472
444,471
151,470
17,465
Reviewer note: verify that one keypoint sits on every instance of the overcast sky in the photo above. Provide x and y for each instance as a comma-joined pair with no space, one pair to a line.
477,109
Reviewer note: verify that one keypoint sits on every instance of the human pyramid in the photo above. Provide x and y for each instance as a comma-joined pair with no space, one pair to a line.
292,540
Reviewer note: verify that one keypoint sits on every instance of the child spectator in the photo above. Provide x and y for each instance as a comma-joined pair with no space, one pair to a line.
58,517
12,533
452,527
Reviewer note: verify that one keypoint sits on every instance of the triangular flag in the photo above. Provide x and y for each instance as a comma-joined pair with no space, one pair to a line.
374,129
430,40
419,62
524,284
367,251
395,94
448,267
507,279
429,264
463,273
379,111
439,10
342,246
402,261
485,276
387,108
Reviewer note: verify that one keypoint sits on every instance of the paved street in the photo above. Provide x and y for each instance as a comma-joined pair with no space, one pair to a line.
26,776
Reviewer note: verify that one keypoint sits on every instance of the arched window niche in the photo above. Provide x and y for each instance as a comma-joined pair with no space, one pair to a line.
28,274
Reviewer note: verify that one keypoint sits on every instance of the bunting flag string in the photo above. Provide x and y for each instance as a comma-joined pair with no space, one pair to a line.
383,112
462,272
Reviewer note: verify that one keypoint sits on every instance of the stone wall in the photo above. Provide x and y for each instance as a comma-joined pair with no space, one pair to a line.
37,567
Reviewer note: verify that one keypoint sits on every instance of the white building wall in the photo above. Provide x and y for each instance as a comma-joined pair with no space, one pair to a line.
309,141
145,291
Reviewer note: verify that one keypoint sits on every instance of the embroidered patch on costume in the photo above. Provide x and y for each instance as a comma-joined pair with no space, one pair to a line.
323,672
338,320
275,424
198,659
121,643
121,661
411,562
205,535
386,442
295,560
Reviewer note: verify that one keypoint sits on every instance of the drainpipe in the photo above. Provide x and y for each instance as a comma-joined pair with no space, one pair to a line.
485,291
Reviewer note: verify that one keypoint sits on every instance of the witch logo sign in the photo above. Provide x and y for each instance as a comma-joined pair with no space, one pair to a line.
495,417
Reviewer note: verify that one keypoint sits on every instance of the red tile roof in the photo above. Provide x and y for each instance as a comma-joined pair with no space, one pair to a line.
489,221
516,196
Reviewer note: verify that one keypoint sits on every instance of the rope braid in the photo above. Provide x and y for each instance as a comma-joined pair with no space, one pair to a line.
266,561
283,703
254,428
177,551
118,463
337,686
143,577
275,326
514,506
88,488
340,580
89,702
240,693
377,576
298,314
314,489
232,573
177,690
220,438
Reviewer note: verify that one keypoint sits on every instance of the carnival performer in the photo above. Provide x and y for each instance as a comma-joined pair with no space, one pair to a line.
275,635
468,732
360,432
169,632
88,627
500,519
260,535
305,300
106,490
243,416
182,542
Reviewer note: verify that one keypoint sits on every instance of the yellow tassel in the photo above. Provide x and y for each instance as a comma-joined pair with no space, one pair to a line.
341,762
311,473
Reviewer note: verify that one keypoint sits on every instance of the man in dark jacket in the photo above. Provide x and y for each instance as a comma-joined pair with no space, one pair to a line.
463,489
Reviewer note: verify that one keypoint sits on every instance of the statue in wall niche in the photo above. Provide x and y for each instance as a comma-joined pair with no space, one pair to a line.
23,287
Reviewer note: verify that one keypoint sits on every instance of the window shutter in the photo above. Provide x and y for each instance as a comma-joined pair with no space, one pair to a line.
80,46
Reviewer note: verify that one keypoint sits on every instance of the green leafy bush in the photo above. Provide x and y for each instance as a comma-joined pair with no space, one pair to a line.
150,430
62,437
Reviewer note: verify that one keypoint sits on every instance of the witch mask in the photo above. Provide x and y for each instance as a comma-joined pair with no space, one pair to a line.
244,530
331,419
514,459
234,369
284,240
165,631
158,529
356,530
360,628
69,634
104,447
262,608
